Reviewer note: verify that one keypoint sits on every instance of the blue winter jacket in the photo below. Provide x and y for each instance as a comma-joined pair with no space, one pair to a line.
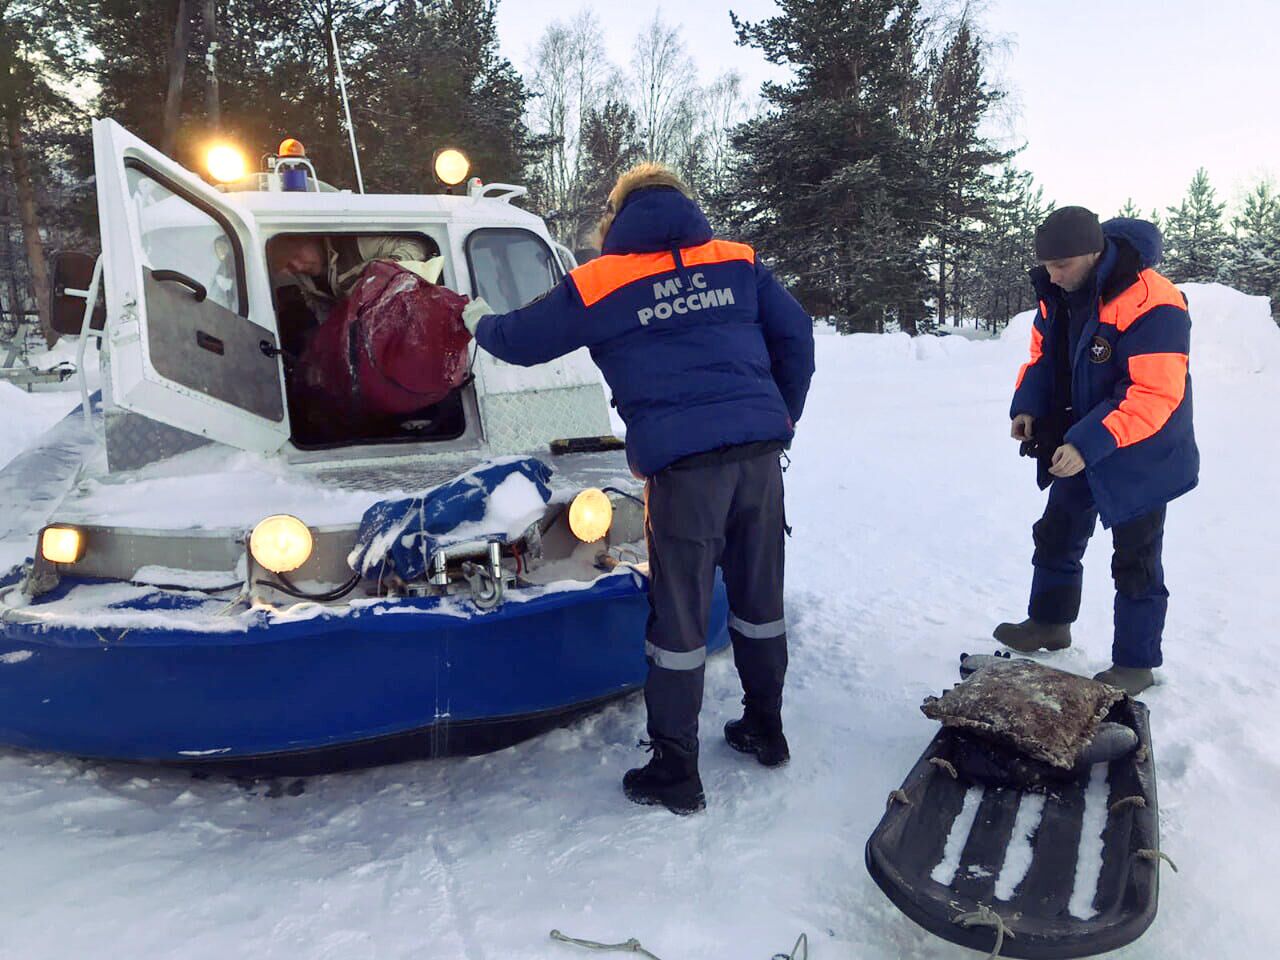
1130,377
700,345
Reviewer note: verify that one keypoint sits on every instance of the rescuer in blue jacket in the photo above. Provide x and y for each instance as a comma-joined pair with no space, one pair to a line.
709,360
1105,401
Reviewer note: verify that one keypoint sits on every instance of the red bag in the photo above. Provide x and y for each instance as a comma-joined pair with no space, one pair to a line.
397,344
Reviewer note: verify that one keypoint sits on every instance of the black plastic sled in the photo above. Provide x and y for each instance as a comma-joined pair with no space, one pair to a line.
1031,859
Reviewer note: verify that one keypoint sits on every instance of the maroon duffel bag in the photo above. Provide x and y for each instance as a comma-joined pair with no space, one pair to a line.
396,345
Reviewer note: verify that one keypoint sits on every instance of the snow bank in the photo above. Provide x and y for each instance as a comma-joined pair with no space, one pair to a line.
1231,332
876,350
27,415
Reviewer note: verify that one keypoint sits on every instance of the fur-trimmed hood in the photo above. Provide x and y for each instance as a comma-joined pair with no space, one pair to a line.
656,218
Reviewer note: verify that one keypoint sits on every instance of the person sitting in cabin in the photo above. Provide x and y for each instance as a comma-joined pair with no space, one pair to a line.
325,269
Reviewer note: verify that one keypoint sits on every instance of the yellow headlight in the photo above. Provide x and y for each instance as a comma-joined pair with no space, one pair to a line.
226,164
280,543
62,544
590,515
451,166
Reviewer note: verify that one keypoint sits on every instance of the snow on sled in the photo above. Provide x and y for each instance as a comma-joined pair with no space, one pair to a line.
989,849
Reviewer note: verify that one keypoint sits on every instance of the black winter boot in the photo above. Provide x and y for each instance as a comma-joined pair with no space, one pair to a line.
1031,635
759,735
669,778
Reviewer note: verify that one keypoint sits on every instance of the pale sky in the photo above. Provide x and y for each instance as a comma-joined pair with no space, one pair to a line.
1114,99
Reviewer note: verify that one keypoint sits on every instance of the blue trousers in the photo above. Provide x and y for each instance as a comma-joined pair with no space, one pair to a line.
1062,535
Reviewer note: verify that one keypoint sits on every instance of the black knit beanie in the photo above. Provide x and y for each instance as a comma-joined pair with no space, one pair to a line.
1068,232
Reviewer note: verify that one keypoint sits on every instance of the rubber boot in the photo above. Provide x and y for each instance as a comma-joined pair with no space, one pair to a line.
1132,680
669,778
758,735
1031,635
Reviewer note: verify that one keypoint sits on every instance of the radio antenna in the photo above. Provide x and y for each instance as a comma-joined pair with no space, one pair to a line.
346,107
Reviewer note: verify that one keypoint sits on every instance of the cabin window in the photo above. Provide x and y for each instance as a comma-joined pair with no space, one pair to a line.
180,237
510,267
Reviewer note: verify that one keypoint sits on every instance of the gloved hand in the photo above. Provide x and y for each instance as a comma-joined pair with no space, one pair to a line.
473,312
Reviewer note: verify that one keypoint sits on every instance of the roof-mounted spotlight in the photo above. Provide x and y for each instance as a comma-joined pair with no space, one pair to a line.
450,166
225,163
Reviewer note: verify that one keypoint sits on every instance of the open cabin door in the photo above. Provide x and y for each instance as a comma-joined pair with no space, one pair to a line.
191,326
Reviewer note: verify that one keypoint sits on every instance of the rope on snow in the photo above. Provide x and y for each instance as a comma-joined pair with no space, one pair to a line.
799,952
627,946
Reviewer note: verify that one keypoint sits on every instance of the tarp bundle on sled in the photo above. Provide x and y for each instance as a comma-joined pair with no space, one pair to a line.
396,345
1048,715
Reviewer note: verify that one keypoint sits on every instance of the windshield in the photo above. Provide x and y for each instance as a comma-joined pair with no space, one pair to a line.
510,267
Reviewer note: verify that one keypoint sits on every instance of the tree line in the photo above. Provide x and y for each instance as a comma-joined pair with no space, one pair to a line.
868,178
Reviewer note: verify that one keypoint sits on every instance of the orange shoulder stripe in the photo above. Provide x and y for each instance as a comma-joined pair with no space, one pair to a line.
717,251
1159,382
1037,351
1151,291
598,278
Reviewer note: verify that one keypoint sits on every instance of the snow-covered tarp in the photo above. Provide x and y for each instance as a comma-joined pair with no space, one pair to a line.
497,500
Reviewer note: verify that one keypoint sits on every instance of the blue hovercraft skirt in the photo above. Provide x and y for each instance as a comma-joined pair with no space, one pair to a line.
391,681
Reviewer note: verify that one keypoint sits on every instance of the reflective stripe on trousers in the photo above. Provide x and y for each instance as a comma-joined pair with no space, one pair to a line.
757,631
671,660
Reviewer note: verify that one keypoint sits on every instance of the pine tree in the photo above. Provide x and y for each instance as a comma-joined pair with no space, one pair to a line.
421,74
994,281
1255,248
1130,210
136,40
611,143
38,51
956,102
433,78
829,183
1195,242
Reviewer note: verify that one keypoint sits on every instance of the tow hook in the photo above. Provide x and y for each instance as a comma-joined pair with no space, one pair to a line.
486,581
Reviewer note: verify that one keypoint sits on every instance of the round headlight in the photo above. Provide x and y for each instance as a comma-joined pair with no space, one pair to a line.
590,515
280,543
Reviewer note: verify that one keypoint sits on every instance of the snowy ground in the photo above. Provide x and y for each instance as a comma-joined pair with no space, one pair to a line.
912,513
